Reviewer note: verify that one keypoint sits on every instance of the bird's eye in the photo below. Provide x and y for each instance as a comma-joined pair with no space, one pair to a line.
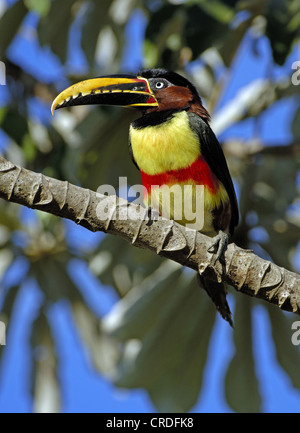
159,84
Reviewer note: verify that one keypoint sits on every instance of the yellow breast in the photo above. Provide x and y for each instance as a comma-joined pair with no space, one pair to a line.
167,147
172,145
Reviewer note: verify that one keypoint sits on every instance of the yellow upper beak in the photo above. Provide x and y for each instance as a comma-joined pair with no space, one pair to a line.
125,91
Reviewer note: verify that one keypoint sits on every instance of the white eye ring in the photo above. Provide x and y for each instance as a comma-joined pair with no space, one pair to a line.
159,84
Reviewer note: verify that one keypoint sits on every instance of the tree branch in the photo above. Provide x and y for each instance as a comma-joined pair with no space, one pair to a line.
243,270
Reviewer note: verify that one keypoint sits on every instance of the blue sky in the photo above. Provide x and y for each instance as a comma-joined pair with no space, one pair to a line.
83,389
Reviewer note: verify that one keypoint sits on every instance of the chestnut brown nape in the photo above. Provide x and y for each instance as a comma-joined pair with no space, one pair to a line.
177,97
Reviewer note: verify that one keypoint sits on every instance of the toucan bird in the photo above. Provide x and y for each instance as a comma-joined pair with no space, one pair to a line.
172,144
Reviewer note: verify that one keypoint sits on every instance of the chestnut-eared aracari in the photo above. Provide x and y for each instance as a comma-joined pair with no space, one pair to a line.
171,144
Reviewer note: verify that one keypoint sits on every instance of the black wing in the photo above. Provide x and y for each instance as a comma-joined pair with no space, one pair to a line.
214,156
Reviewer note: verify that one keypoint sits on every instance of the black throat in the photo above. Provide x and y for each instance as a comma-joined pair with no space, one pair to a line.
154,118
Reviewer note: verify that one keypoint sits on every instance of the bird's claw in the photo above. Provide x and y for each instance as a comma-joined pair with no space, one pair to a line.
219,245
151,215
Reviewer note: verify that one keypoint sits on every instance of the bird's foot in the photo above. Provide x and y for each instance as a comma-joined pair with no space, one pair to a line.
151,215
219,245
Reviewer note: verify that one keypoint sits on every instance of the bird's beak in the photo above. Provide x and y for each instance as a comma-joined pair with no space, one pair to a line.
126,91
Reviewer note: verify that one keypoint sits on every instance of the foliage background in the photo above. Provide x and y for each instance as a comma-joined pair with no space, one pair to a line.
94,324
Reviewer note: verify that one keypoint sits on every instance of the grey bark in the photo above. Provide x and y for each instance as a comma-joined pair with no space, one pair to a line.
243,270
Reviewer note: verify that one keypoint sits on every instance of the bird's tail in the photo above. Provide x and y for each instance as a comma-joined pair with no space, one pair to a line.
217,292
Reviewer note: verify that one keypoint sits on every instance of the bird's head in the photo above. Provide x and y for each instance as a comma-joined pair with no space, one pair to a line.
151,90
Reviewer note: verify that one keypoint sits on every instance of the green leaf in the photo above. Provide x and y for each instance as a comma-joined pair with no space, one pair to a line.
3,111
6,313
10,23
296,125
142,302
113,255
9,216
105,156
198,32
287,354
52,275
29,148
6,258
53,28
218,10
196,320
241,385
273,190
8,302
104,351
45,386
233,41
192,23
281,28
15,125
40,6
95,19
166,325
